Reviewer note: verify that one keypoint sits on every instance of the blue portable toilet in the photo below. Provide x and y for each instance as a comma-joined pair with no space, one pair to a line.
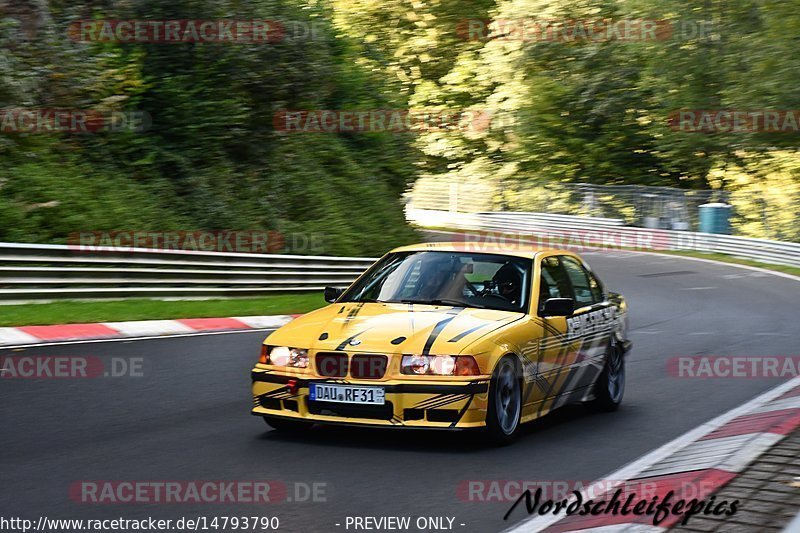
715,218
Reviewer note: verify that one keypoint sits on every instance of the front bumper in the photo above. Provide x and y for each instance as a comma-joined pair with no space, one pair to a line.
409,403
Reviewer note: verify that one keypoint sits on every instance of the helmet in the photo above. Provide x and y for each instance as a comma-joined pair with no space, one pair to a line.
508,280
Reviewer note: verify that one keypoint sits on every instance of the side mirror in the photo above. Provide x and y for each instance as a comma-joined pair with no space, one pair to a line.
332,294
558,307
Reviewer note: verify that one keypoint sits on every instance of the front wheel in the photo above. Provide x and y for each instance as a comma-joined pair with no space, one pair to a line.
610,386
505,403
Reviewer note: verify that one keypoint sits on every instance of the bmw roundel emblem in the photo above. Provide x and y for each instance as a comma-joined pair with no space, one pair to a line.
355,342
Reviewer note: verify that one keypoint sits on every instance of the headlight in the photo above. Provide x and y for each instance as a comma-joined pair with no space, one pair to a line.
440,365
284,356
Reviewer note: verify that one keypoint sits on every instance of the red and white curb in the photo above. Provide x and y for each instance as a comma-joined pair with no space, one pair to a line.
32,335
706,458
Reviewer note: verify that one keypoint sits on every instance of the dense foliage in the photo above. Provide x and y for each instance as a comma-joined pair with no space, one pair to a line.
567,111
211,158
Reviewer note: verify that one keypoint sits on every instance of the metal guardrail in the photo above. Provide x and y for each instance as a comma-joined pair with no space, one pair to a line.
31,272
638,205
598,230
40,272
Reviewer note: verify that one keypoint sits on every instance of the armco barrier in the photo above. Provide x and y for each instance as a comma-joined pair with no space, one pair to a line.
30,272
776,252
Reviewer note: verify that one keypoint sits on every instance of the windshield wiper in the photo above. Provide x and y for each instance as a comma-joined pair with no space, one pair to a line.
443,301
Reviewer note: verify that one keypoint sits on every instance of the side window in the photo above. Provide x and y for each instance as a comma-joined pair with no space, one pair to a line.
597,288
554,282
581,282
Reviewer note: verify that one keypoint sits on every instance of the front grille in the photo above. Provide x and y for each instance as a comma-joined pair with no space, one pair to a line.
368,366
331,364
413,414
270,403
442,415
375,412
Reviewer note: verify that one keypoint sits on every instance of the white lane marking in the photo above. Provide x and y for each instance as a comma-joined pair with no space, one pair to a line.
792,402
634,469
130,339
269,321
753,449
701,333
794,525
731,454
734,265
698,289
14,336
138,328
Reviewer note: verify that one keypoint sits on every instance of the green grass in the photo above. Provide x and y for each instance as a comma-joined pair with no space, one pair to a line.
73,312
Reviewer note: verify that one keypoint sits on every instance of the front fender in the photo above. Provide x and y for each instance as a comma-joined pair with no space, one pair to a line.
620,327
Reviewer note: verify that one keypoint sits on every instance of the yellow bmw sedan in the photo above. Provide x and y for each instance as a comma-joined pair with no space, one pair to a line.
439,336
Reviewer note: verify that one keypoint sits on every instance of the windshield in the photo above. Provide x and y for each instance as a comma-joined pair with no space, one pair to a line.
446,278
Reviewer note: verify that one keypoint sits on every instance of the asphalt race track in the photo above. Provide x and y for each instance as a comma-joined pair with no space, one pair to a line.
187,417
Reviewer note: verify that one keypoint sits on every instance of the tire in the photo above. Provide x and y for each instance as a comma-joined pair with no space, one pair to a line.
286,425
610,386
505,403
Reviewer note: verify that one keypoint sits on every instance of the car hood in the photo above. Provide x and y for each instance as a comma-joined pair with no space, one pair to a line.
391,328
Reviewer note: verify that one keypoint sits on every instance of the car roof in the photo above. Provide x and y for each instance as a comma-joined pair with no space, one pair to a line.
511,248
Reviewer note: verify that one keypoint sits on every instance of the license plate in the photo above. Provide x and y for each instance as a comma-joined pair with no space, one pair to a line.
324,392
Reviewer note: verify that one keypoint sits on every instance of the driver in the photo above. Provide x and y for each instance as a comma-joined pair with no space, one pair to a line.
508,281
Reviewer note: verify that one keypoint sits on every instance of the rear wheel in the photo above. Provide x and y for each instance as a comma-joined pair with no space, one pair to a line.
286,425
505,403
610,386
